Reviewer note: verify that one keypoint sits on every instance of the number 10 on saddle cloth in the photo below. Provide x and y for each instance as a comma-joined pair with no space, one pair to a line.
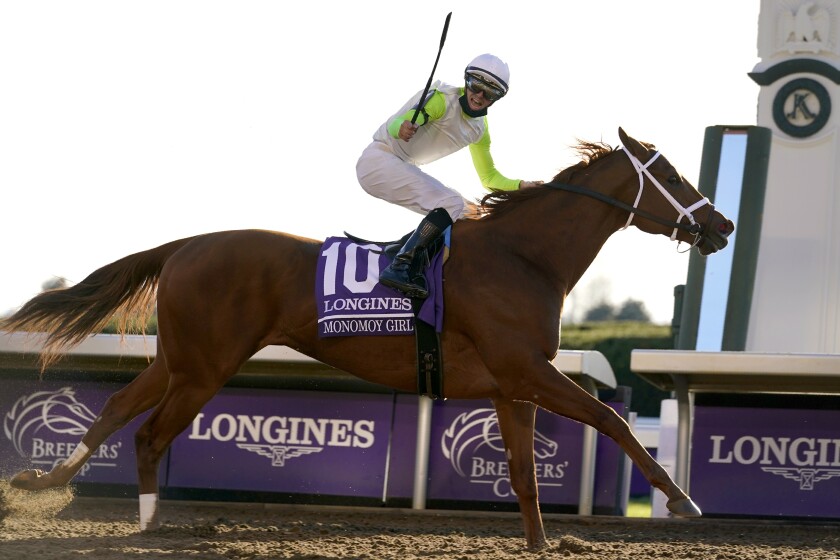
352,302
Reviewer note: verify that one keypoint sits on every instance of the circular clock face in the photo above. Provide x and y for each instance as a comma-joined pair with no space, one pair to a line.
801,107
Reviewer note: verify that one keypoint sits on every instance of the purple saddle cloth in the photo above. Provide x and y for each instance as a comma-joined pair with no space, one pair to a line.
352,302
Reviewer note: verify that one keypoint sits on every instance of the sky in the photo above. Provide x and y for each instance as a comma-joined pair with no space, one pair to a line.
124,125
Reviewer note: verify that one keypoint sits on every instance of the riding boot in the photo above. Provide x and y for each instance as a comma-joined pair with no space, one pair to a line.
398,274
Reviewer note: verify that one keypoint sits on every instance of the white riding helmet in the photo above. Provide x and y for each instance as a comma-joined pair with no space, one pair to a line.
492,69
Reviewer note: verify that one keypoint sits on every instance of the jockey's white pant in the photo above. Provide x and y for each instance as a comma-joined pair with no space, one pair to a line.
385,176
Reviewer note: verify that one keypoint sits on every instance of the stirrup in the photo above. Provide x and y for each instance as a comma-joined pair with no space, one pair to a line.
411,287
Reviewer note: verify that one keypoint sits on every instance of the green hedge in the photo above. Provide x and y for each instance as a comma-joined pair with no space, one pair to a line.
615,340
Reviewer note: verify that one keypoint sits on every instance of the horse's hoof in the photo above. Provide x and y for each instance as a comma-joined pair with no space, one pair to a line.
150,526
537,546
684,507
27,480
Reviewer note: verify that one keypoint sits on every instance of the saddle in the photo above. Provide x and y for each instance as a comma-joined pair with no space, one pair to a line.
391,248
429,357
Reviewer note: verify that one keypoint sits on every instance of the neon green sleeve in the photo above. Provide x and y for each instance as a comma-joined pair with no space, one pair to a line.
490,177
435,108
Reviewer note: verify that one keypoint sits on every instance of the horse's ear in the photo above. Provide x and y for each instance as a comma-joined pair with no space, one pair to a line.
622,135
631,144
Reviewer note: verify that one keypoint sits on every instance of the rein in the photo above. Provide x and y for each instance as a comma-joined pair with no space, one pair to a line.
692,227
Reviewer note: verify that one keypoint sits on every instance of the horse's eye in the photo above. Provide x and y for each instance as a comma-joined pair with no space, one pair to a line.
673,180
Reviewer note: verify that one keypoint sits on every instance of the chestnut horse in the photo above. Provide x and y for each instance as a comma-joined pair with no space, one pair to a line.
507,276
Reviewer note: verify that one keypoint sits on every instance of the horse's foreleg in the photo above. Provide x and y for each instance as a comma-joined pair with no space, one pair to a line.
559,394
516,422
135,398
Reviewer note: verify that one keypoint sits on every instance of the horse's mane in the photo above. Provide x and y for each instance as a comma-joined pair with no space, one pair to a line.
499,202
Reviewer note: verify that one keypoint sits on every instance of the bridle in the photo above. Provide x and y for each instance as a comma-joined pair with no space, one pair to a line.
692,227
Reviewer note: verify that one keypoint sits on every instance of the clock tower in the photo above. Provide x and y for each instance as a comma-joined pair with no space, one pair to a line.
796,297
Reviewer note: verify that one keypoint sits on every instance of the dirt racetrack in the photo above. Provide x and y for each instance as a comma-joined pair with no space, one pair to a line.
53,525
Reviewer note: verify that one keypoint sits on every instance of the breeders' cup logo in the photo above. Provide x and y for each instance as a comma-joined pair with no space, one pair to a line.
281,438
473,444
36,421
812,460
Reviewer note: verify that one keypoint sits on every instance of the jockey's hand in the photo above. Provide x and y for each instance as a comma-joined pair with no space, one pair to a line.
407,130
528,184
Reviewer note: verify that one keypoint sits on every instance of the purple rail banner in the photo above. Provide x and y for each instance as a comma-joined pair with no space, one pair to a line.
303,442
467,457
299,442
44,421
766,461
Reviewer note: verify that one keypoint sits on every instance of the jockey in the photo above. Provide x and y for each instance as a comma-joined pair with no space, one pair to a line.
451,118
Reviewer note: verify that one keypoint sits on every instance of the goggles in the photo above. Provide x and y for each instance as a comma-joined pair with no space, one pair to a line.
477,84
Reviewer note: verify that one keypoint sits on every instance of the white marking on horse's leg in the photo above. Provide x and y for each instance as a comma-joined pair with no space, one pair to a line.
78,456
148,511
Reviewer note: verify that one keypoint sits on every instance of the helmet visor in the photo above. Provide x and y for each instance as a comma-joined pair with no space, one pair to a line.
477,84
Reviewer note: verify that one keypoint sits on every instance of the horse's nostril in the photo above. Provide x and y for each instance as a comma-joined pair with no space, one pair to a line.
726,228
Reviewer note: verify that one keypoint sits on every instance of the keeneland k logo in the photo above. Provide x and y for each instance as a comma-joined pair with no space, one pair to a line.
278,453
805,477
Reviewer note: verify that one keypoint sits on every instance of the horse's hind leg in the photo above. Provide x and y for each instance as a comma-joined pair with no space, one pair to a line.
561,395
183,400
140,395
516,422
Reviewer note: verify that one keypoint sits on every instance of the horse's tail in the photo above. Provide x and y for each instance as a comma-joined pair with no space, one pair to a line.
126,287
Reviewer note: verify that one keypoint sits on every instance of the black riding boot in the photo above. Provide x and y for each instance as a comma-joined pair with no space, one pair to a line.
398,274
